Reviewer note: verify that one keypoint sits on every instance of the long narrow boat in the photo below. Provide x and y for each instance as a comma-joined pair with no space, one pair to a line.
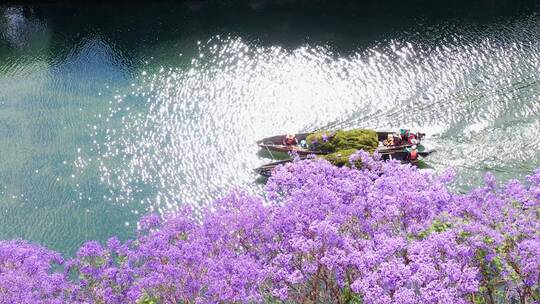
267,169
275,144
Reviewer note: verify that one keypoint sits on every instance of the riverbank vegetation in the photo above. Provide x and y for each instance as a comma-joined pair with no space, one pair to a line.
382,233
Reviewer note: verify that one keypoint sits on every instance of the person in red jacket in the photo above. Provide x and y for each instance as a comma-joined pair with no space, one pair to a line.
413,153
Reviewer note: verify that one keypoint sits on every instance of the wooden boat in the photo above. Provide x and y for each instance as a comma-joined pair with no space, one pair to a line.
275,144
266,170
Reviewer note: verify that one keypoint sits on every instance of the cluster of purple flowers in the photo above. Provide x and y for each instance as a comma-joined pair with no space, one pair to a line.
27,274
379,232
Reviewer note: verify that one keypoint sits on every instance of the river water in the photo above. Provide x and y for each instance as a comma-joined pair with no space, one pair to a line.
108,112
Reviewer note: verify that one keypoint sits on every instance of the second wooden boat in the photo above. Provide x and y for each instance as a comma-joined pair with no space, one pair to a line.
402,156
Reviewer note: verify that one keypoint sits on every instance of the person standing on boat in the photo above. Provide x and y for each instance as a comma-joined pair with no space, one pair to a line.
290,140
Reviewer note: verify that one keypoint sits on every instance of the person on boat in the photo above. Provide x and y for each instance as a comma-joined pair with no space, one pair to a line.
290,140
389,141
392,140
412,139
404,133
413,153
398,140
303,144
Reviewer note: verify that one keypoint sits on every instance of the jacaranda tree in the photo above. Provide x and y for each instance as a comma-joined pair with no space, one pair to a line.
379,232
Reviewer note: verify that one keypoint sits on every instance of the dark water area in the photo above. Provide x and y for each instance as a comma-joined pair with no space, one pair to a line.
112,110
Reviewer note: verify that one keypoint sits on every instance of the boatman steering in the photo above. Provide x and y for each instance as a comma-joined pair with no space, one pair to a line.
413,152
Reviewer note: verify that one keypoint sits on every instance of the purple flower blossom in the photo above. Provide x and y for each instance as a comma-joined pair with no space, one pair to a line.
380,232
26,274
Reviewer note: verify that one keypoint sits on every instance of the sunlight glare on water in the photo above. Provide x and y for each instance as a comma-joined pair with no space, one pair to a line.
110,111
187,133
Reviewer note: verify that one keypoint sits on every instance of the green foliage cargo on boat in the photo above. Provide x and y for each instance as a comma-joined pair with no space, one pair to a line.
330,142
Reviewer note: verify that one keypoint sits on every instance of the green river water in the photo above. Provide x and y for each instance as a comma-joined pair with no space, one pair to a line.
111,111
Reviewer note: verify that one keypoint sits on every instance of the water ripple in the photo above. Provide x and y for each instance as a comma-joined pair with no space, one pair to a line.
186,134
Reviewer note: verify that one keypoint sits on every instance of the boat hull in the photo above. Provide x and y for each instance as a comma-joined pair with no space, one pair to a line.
402,156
